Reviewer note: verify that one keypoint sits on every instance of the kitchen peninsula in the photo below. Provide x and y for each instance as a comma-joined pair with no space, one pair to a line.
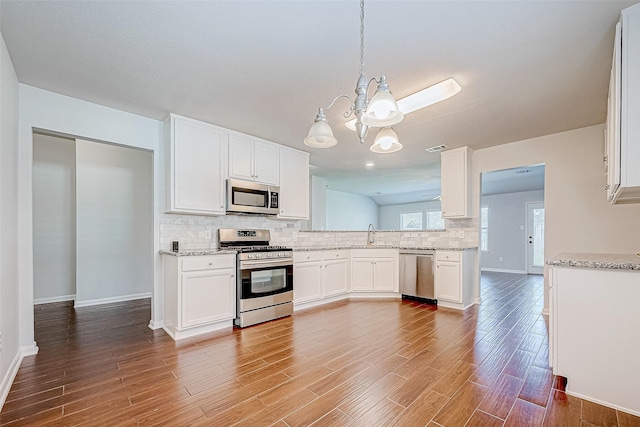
594,326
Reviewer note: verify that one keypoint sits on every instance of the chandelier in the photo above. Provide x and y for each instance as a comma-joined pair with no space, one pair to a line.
380,111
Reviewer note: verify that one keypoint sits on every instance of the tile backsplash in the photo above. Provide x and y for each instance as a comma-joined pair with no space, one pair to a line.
189,231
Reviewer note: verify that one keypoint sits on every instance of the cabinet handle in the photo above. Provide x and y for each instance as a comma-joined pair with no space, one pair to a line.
210,263
232,275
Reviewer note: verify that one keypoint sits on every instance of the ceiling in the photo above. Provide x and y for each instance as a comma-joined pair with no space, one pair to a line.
527,68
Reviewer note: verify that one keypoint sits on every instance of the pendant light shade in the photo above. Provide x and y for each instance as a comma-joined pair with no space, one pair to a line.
383,109
386,142
320,134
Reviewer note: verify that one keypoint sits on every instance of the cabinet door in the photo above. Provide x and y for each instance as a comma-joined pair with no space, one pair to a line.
455,188
307,281
384,277
362,274
197,168
267,162
294,184
612,136
335,278
207,296
448,281
241,157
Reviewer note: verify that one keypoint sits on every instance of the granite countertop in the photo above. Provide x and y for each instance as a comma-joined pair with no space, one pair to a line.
413,248
606,261
202,252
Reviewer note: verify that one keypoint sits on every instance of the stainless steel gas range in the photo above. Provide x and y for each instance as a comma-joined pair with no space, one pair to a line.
264,276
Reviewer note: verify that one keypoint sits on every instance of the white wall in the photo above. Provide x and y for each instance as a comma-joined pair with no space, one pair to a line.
10,351
54,219
578,218
389,216
347,211
507,214
44,110
114,223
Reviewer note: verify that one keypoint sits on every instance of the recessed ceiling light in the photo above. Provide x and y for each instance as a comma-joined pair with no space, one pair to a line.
423,98
369,164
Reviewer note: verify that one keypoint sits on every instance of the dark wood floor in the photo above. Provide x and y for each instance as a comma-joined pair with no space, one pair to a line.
359,363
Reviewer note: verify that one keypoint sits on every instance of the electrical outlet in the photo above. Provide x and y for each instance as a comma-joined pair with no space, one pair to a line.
522,228
452,233
461,234
500,259
207,234
295,235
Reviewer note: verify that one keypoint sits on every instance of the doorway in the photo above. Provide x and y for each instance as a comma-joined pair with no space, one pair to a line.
511,211
92,221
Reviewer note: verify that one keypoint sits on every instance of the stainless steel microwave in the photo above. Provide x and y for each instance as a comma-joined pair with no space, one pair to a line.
252,197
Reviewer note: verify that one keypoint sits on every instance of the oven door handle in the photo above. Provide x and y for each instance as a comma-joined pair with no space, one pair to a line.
250,264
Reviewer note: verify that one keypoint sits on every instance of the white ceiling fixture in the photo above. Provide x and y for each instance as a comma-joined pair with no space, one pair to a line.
381,111
423,98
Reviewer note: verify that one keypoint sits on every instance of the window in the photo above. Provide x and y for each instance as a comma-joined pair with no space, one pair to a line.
411,221
484,228
435,220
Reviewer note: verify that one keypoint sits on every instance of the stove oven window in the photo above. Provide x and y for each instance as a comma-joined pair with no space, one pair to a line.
268,281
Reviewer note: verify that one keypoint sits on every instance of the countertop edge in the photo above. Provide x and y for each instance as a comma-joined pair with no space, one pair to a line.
203,252
628,262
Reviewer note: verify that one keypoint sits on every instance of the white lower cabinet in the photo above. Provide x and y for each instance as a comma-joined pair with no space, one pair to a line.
454,278
335,279
307,277
319,276
593,334
199,294
374,270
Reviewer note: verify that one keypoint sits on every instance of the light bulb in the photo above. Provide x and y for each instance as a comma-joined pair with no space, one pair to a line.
382,109
386,143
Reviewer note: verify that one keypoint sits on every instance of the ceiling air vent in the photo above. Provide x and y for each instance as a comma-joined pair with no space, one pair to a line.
436,148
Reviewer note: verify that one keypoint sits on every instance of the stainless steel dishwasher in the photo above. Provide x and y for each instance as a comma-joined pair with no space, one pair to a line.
416,275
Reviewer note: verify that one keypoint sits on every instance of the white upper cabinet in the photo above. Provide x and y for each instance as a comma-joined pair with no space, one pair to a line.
623,126
195,164
252,159
456,191
294,184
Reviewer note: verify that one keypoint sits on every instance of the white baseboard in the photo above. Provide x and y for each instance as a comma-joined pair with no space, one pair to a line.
311,304
111,300
156,324
501,270
372,295
7,381
603,403
60,298
545,312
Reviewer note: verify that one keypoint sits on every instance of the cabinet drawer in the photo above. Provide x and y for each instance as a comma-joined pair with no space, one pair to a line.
208,262
307,256
448,256
374,253
340,254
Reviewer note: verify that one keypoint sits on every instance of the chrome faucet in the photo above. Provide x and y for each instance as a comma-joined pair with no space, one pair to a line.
370,235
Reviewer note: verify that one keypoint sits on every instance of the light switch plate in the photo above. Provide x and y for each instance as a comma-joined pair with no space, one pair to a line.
207,234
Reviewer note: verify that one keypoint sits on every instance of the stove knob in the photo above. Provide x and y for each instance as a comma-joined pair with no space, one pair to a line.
281,254
251,256
258,255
